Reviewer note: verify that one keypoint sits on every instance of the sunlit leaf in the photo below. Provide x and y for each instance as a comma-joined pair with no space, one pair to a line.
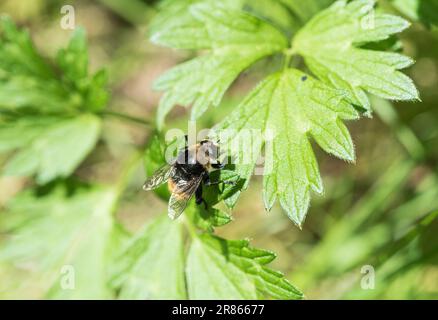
151,266
45,115
48,147
329,44
223,269
288,106
235,40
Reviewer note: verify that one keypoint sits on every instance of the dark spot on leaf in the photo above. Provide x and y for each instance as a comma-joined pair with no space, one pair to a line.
303,78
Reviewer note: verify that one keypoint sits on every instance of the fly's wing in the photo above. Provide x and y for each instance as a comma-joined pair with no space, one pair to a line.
159,177
181,195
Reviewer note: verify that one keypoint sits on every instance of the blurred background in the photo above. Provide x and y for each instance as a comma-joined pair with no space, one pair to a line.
374,212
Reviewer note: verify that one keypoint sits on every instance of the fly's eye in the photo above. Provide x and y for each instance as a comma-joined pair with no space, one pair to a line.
214,153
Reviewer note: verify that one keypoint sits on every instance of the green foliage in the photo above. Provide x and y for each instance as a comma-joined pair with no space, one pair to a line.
55,228
151,265
209,218
210,275
329,45
292,106
235,40
139,275
73,63
224,269
51,117
50,147
46,113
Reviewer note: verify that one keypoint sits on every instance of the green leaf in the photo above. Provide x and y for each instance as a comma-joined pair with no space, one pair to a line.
46,116
207,217
288,106
56,233
22,91
329,44
28,81
222,192
48,147
425,11
235,41
222,269
25,77
17,53
151,266
73,60
175,15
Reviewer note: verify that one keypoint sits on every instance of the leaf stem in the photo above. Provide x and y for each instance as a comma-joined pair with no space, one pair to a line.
125,116
287,60
288,54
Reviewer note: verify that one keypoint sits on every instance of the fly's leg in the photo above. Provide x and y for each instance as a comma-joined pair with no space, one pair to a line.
228,182
199,198
207,182
217,165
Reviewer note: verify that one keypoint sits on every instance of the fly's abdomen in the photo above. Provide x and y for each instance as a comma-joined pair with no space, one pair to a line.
177,190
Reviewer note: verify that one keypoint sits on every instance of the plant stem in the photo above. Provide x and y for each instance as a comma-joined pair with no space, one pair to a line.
125,116
287,60
288,54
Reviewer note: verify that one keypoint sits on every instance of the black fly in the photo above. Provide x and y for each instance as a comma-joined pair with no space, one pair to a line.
187,174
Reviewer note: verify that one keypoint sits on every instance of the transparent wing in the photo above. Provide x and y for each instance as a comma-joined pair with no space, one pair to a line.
181,195
159,177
